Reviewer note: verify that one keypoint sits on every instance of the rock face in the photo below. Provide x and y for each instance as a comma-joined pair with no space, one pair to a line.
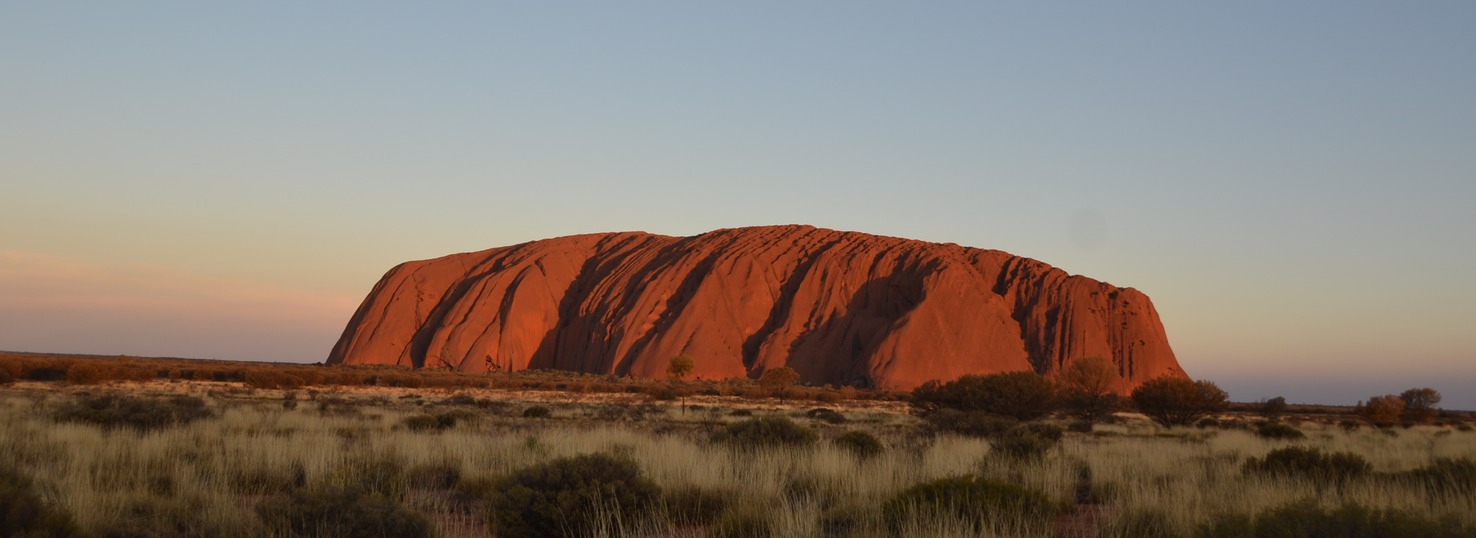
838,307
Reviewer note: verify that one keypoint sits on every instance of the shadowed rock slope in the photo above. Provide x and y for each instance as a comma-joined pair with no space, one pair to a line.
839,307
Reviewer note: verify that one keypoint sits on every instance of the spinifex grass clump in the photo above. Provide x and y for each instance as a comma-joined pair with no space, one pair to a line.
1444,477
1307,519
348,512
1310,463
971,498
1279,431
115,411
24,513
860,444
566,496
1027,442
764,432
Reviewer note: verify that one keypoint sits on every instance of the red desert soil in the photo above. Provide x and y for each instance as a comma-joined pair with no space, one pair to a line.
842,308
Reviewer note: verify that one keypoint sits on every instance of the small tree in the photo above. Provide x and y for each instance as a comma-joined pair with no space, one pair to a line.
1023,395
1273,409
778,380
1419,404
1086,388
679,367
1382,411
1173,401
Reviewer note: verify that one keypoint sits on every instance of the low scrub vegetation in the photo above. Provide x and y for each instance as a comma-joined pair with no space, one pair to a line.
566,497
118,411
1310,464
234,460
765,432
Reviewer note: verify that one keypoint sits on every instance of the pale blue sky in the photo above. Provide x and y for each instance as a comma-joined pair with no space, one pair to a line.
1291,183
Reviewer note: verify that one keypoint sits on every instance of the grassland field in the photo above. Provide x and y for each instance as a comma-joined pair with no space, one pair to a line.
236,455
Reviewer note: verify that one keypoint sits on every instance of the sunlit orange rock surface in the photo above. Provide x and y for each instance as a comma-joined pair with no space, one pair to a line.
839,307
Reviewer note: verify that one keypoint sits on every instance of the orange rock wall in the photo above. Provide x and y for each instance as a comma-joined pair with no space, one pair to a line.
839,307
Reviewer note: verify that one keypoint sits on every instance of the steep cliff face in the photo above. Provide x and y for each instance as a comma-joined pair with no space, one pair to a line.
839,307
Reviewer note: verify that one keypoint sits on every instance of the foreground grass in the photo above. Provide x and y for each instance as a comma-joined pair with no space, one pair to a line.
212,476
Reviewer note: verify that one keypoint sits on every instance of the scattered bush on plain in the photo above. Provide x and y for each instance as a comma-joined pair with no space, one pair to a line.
970,498
764,432
860,444
1027,442
1021,395
348,512
1309,463
1307,519
24,514
564,496
1173,401
1085,388
116,411
1278,431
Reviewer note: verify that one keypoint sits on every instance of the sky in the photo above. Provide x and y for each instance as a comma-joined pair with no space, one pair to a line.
1291,183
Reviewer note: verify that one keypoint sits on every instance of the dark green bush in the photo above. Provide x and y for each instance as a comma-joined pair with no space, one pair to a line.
860,444
1306,519
433,476
1277,430
536,411
970,498
970,423
1027,442
6,377
343,512
1309,463
764,432
695,506
1021,395
1172,401
23,513
1444,476
827,415
114,411
438,421
564,496
740,413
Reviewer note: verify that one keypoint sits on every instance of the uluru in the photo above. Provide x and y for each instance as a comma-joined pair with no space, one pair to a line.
842,308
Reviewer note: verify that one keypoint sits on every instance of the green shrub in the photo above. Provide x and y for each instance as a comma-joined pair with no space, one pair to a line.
970,498
860,444
433,476
1279,431
970,423
1309,463
1028,442
23,513
536,411
827,415
1172,401
564,496
438,421
764,432
695,506
1444,476
1306,519
1020,395
349,512
113,411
